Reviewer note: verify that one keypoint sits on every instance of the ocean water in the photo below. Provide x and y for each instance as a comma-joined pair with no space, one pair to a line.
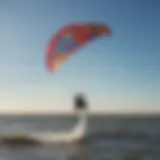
108,138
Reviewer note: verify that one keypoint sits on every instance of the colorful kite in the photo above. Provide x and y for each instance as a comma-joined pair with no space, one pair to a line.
68,39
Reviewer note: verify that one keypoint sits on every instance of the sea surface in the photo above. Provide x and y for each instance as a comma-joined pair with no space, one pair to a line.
108,137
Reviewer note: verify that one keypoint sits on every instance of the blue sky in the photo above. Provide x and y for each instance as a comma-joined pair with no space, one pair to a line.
120,73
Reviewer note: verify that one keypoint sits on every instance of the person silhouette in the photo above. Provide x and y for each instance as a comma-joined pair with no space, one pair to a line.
80,102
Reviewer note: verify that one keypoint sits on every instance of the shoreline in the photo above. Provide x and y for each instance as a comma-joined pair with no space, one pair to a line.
109,115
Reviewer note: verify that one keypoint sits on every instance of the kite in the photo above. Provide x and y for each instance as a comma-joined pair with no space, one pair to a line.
69,39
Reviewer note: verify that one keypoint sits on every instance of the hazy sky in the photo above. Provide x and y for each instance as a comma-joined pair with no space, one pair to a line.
120,73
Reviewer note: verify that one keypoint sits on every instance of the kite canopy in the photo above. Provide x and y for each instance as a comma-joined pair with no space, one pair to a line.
68,39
